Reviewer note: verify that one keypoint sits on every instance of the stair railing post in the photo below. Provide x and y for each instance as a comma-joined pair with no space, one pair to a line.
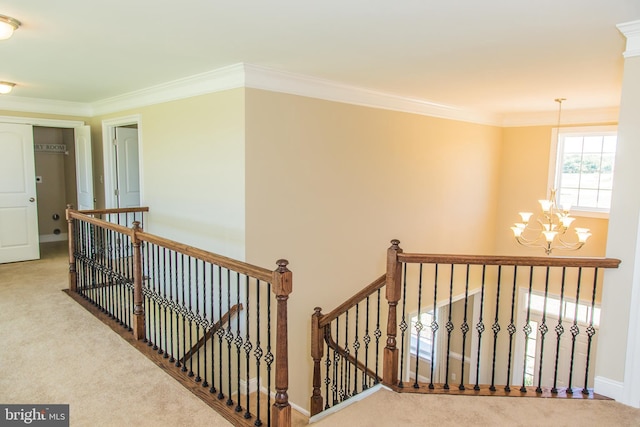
138,303
73,279
317,351
393,293
282,287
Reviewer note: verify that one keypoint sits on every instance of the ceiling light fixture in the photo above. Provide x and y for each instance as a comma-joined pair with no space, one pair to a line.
7,26
6,87
549,230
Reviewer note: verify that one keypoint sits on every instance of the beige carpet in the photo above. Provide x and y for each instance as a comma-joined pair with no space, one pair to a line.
387,408
54,351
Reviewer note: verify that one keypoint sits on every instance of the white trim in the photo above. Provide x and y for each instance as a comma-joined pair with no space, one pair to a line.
41,122
595,115
46,238
340,406
225,78
46,106
631,30
631,395
108,133
609,388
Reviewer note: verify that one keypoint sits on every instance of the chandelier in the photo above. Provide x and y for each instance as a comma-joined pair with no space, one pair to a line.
550,229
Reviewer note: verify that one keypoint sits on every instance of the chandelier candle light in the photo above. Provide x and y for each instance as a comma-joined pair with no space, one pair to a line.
551,229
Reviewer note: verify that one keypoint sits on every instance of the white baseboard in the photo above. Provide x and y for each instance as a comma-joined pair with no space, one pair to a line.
342,405
46,238
610,388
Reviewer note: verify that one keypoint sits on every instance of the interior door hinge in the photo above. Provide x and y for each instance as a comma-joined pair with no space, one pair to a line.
116,192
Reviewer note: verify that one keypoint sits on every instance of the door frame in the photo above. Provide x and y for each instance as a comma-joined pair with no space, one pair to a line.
108,134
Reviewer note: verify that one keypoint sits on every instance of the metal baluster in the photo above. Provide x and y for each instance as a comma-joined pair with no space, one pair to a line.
449,327
269,356
164,297
247,344
434,324
366,340
205,383
327,366
198,378
464,328
575,330
480,330
356,346
496,329
591,331
238,341
378,333
148,269
527,330
212,338
512,327
336,360
172,279
184,309
403,326
229,338
344,360
543,328
155,287
559,331
220,333
418,327
258,353
189,317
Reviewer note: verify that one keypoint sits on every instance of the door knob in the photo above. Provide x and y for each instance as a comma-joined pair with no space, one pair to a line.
31,199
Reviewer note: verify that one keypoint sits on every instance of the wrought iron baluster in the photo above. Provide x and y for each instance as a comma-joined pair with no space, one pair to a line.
220,333
419,327
434,324
183,315
559,331
198,378
464,328
247,344
512,327
147,268
356,346
238,342
258,353
591,331
575,331
336,360
366,339
165,300
269,358
496,329
378,333
229,338
527,330
327,363
205,383
449,327
543,329
403,326
155,288
172,311
212,338
480,330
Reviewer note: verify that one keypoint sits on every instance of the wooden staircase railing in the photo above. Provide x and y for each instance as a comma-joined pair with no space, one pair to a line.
216,324
482,322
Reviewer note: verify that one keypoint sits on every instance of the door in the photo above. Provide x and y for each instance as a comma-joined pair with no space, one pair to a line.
18,206
84,168
127,174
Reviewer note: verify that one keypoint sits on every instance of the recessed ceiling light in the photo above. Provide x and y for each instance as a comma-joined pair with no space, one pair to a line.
7,26
5,87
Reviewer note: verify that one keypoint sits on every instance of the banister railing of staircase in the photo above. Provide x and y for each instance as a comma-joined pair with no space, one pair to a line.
220,323
482,325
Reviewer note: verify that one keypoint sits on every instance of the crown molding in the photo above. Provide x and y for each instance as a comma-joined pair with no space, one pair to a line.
45,106
258,77
631,30
547,118
230,77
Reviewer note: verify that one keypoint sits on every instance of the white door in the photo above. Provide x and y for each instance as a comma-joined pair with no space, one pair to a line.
84,168
18,206
127,161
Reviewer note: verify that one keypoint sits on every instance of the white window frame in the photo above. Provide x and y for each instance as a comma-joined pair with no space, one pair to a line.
554,165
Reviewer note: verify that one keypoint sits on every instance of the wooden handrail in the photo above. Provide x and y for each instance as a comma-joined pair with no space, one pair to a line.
73,214
509,260
114,210
332,344
355,299
229,263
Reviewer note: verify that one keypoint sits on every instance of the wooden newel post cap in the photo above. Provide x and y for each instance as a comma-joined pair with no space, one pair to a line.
69,206
395,243
136,225
282,265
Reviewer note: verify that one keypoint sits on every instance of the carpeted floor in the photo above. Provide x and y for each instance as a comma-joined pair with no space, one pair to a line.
54,351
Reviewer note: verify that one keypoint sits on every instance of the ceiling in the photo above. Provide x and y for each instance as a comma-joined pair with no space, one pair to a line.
493,56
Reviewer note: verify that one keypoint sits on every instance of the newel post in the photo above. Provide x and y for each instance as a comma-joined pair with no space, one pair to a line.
393,293
73,280
317,351
282,287
138,308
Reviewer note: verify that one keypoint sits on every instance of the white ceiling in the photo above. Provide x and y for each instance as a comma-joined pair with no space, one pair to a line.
493,56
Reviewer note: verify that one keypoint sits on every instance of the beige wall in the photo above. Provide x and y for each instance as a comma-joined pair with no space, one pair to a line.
330,184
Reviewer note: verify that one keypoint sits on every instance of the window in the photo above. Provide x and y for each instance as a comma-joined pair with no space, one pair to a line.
584,168
422,335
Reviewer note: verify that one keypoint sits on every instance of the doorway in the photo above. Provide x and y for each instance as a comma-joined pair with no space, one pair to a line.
122,162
